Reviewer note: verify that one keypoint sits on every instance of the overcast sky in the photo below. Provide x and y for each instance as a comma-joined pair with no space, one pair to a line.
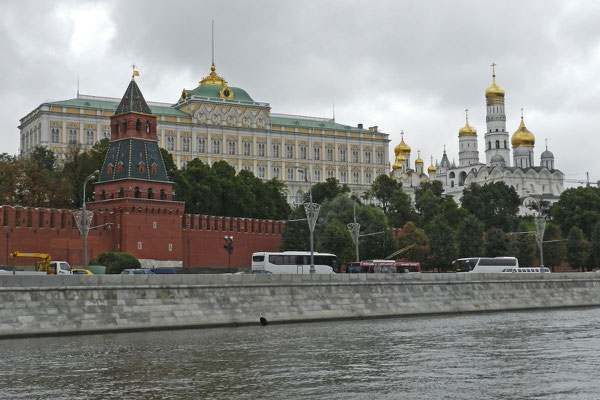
401,65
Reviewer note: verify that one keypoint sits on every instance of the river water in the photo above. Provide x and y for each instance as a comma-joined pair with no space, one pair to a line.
552,354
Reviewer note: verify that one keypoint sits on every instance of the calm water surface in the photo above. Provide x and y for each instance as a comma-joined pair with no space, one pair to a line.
520,355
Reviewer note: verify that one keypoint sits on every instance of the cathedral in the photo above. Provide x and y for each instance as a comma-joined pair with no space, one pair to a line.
533,183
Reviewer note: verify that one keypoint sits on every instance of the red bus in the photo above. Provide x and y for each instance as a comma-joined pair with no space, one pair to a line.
407,266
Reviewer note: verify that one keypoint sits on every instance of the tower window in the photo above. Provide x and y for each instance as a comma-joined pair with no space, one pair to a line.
496,129
497,144
147,126
138,125
505,144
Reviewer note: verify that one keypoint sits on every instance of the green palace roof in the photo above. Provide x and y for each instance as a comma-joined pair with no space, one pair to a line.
316,123
213,91
111,105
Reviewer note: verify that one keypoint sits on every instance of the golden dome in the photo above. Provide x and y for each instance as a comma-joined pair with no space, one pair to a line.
494,91
522,137
396,166
432,169
418,161
467,130
402,148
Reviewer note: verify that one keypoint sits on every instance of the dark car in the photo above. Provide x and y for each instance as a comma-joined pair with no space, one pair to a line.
137,271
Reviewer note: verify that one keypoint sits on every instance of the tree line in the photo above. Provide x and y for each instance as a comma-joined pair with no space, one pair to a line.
485,224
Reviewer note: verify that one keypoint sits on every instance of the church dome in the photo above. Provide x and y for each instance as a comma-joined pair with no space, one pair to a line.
494,91
467,130
418,161
432,169
522,137
396,166
547,154
497,158
402,148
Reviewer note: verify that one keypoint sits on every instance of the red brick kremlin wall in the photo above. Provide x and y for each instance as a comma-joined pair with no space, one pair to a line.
197,240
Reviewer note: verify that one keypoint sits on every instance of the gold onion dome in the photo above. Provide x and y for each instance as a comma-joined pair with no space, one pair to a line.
418,161
402,148
432,169
467,130
397,166
494,91
522,137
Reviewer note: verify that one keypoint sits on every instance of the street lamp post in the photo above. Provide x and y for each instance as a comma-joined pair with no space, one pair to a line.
84,227
540,227
7,235
229,247
312,213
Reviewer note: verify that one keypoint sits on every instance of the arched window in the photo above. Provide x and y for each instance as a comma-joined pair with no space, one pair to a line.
505,144
461,178
137,194
124,126
117,127
102,195
150,194
147,126
121,193
163,194
497,144
138,125
489,145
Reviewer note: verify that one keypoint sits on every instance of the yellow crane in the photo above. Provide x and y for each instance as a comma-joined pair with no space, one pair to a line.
43,265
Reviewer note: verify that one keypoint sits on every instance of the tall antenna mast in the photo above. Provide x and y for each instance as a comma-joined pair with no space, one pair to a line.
213,42
77,85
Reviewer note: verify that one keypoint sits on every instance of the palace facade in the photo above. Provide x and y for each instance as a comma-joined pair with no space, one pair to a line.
215,121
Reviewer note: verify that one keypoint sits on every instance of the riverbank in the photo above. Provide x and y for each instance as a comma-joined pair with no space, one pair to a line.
59,305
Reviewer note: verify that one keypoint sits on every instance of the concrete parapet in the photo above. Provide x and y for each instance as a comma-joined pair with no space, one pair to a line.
102,303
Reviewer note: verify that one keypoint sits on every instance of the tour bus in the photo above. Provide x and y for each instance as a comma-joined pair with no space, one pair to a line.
294,262
485,264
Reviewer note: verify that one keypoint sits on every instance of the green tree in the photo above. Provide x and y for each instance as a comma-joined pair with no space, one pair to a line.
495,204
327,190
435,187
595,245
428,207
78,166
578,207
441,240
336,239
554,251
578,250
412,235
400,209
116,262
385,189
523,247
496,243
8,179
469,236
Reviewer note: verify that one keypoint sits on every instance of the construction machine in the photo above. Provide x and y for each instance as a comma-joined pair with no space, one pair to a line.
45,265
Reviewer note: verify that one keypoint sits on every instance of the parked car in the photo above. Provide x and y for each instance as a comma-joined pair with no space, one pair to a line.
81,271
137,271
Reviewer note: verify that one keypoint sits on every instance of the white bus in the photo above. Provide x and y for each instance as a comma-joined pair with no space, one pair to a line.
293,262
485,264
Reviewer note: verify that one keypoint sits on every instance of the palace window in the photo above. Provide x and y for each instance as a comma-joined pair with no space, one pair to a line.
185,143
231,147
216,148
276,172
329,153
354,155
247,147
290,174
355,177
106,134
368,178
170,143
261,171
201,145
247,167
303,152
368,156
55,135
89,138
316,153
317,175
275,150
261,149
330,173
72,136
343,177
380,157
342,154
289,150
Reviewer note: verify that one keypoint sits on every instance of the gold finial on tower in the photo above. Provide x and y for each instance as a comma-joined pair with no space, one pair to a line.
134,72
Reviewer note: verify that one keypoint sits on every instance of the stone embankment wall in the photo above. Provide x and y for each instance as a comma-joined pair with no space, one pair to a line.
50,305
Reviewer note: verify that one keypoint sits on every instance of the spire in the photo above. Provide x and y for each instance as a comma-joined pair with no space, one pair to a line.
133,100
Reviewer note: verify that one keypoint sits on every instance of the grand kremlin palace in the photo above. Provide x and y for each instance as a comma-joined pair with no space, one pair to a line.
215,121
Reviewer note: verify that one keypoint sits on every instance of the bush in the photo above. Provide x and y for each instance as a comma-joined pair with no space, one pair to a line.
116,262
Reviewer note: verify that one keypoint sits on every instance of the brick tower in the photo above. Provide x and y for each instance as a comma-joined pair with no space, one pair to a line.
134,186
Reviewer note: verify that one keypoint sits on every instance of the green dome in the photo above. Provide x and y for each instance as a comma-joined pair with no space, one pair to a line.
214,92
